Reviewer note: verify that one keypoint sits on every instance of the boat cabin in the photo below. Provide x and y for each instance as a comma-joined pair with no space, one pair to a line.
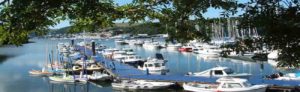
233,83
217,71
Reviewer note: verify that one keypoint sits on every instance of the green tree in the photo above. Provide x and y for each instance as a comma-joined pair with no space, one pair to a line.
179,16
18,18
280,21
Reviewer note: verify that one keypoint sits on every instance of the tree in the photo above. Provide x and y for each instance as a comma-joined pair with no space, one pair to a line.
280,20
179,16
18,18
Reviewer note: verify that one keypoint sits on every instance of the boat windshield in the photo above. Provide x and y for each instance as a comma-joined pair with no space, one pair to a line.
246,84
229,71
157,64
150,65
234,85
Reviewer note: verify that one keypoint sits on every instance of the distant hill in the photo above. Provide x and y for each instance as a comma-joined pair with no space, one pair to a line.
142,28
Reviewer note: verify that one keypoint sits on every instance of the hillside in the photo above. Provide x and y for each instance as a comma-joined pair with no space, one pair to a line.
145,28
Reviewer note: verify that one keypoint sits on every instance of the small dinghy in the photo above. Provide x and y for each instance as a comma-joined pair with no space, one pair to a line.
225,85
63,78
281,76
43,72
141,84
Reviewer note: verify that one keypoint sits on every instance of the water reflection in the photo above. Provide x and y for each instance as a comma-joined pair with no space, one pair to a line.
19,60
3,58
68,87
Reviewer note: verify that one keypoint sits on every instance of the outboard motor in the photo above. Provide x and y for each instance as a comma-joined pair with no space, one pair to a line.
159,56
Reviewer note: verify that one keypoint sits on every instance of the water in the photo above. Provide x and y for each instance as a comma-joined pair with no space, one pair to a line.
15,62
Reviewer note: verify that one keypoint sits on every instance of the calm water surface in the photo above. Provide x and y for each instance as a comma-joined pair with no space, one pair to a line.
15,62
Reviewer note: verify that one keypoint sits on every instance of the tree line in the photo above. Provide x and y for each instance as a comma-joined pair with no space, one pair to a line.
279,19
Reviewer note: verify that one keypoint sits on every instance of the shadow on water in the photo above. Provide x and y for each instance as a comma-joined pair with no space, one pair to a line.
3,58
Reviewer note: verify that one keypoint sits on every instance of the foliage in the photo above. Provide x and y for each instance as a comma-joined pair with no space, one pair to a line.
21,17
280,19
177,15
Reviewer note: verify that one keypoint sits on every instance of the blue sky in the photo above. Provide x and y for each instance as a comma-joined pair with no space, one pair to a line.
210,14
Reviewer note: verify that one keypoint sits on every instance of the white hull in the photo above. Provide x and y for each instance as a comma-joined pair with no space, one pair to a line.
140,84
273,62
62,79
196,89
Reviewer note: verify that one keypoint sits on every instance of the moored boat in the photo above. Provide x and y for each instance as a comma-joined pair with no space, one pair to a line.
43,72
141,84
220,72
185,49
225,85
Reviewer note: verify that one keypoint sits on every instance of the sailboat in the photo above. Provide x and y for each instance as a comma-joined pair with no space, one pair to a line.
43,72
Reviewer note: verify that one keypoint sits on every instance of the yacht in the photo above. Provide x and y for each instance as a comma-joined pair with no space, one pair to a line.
151,45
120,41
119,54
131,59
273,55
225,85
220,72
209,51
171,46
153,65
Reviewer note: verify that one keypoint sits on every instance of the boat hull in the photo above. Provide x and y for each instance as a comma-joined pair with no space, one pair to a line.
260,88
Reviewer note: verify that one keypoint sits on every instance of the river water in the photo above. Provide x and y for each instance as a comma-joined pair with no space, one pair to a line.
15,62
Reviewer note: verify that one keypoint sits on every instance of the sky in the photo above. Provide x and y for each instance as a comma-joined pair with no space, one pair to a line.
212,13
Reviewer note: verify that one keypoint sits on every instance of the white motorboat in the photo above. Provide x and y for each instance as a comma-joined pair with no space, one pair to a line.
209,51
108,52
273,62
151,45
173,46
129,51
99,76
220,72
153,66
131,59
119,54
225,85
120,41
139,42
273,55
141,84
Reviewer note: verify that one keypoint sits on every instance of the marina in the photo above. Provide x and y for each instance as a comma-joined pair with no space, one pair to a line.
150,46
189,62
